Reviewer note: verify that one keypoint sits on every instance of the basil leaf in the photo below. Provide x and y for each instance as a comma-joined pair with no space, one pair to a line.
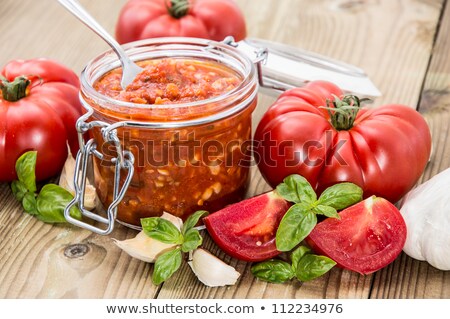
296,188
149,223
295,225
19,189
51,202
276,271
327,211
192,239
297,254
162,230
25,169
312,266
29,203
166,265
193,220
340,196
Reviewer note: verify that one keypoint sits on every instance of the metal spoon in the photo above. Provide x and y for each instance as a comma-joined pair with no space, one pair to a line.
129,68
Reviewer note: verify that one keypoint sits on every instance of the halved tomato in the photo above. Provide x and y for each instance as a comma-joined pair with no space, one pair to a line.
368,236
246,230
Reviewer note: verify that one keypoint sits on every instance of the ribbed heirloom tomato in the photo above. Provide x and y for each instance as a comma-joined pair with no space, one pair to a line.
38,109
384,149
209,19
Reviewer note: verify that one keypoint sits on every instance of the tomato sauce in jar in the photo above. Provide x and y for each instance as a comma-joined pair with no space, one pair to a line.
168,81
192,147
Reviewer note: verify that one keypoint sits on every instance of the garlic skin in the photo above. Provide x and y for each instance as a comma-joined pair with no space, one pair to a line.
426,210
177,221
145,248
212,271
66,182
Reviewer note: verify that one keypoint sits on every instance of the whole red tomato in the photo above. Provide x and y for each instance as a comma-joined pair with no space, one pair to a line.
38,109
209,19
384,150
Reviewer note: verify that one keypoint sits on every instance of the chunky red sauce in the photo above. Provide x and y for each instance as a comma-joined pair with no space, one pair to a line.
176,170
168,81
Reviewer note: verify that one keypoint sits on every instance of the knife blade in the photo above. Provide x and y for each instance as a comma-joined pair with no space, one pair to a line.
286,67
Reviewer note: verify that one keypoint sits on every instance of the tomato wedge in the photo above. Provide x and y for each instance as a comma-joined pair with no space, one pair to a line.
368,236
246,230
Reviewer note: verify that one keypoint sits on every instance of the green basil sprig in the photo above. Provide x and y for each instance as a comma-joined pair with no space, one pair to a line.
297,224
186,240
304,266
47,205
301,217
162,230
166,265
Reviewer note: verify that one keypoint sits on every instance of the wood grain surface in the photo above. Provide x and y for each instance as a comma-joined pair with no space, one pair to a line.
402,45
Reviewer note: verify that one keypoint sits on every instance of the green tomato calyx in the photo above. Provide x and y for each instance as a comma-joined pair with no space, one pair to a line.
343,111
178,8
15,90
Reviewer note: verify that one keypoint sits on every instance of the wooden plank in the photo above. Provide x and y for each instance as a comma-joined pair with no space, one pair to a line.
390,40
32,29
44,261
406,277
436,91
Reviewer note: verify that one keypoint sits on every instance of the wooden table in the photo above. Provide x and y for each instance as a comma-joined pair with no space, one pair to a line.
403,45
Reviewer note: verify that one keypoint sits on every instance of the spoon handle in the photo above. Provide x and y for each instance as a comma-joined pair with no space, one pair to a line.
74,7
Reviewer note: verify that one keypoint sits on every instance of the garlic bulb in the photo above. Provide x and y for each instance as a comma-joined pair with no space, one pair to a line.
212,271
145,248
66,182
426,210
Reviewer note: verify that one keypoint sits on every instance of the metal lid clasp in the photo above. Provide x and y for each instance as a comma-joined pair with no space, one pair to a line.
123,161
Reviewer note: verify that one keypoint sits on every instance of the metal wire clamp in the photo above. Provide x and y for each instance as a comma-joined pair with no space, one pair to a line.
123,161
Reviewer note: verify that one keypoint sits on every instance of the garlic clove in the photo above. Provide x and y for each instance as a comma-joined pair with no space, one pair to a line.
177,221
66,182
145,248
426,211
212,271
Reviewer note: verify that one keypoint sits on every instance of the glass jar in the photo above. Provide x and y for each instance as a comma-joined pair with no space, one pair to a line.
187,156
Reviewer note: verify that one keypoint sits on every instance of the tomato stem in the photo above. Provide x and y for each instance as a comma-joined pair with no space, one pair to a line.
178,8
343,111
15,90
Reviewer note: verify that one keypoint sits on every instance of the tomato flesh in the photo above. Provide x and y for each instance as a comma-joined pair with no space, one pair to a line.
367,237
246,230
